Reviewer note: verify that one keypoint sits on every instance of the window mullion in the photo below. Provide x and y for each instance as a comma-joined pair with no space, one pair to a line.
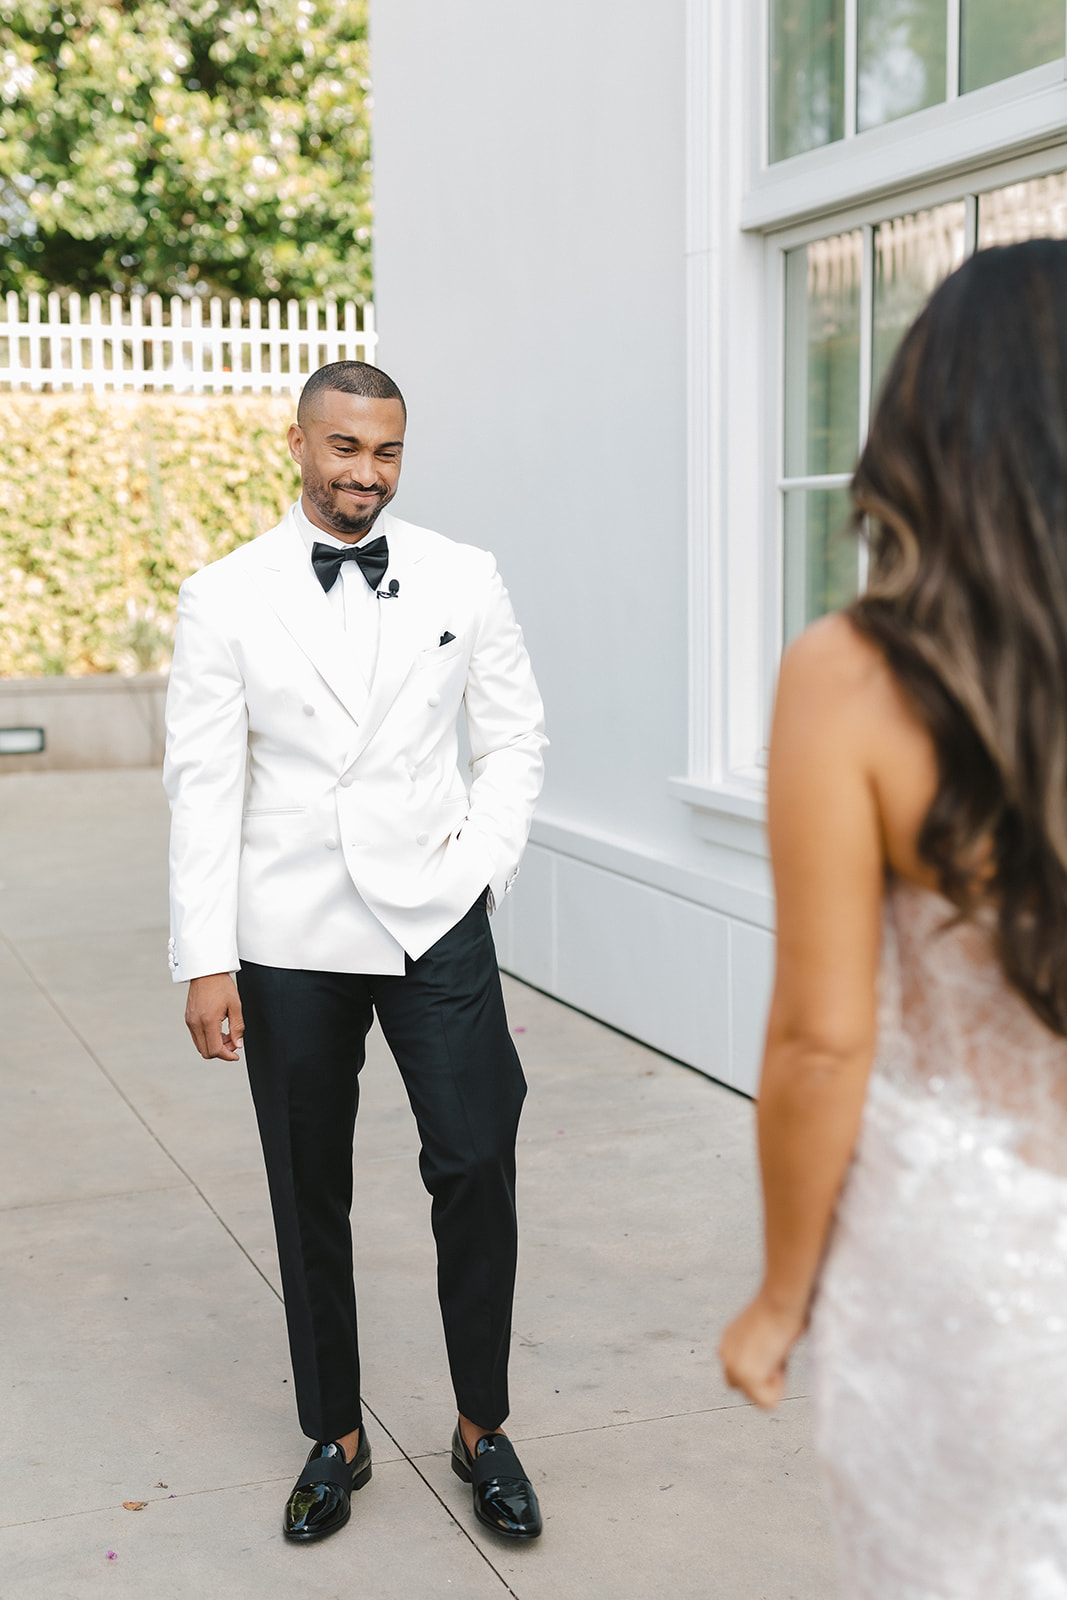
952,51
970,224
866,369
866,332
851,65
816,480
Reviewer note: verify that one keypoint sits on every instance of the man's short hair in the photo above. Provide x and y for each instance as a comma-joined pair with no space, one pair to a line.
350,377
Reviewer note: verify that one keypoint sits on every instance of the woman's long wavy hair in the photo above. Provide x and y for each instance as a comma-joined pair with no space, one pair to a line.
963,487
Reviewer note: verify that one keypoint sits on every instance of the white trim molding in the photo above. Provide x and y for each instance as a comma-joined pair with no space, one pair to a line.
725,354
724,301
1009,118
705,29
743,891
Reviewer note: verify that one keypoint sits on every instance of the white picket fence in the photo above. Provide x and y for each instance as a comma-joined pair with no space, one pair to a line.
139,347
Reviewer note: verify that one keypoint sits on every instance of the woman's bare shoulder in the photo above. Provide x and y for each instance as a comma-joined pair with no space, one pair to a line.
840,704
833,649
831,671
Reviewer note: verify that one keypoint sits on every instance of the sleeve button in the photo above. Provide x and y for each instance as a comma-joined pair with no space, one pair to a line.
309,711
423,838
434,700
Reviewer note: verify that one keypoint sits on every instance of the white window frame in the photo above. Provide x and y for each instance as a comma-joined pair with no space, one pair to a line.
742,215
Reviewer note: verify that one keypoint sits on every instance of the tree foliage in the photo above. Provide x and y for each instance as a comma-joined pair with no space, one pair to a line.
181,146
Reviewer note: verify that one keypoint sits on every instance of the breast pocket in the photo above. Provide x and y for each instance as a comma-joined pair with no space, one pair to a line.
440,655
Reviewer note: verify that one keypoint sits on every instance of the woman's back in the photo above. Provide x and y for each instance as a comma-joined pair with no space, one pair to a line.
948,1019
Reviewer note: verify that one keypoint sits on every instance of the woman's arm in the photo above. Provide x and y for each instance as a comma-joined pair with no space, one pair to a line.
829,867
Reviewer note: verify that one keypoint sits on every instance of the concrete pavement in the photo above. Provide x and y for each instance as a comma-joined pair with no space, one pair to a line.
143,1353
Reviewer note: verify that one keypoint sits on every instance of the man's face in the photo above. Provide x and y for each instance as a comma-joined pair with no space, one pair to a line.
349,452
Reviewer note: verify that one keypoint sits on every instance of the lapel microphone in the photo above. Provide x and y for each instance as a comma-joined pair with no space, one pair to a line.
392,593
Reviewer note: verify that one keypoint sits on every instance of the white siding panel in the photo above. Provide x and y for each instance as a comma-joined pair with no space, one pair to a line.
751,981
654,965
528,947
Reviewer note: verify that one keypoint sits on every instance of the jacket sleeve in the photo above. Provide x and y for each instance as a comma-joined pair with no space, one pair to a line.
506,729
204,776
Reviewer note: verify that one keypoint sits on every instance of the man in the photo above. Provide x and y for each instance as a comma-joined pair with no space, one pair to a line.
325,849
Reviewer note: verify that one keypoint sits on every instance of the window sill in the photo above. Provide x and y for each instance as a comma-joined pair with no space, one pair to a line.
731,814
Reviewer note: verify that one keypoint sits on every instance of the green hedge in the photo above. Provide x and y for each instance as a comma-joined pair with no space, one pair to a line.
108,502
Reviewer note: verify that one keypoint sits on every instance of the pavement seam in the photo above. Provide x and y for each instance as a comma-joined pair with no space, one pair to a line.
445,1507
631,1422
220,1488
124,1097
92,1199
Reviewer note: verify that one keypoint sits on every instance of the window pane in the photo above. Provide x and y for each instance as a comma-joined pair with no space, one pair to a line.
902,47
807,75
821,556
822,355
1001,37
911,257
1034,210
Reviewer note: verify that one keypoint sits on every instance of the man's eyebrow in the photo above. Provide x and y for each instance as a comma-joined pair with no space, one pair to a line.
351,438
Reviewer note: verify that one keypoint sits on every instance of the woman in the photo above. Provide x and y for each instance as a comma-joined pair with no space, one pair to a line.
918,820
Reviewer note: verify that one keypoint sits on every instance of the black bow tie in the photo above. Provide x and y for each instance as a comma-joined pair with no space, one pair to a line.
372,560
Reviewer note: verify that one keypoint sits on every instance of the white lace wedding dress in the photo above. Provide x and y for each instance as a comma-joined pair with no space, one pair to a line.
939,1335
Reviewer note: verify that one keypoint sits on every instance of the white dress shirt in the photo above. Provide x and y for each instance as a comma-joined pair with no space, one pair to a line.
355,605
353,601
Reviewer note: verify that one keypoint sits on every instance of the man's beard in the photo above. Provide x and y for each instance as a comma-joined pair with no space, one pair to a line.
342,522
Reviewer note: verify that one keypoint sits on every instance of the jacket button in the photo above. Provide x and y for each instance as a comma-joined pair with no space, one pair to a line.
309,711
331,844
434,700
423,838
347,780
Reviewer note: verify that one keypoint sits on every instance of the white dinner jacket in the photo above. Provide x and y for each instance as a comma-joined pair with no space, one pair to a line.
289,781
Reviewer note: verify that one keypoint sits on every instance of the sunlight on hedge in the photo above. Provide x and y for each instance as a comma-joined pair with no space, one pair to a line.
107,503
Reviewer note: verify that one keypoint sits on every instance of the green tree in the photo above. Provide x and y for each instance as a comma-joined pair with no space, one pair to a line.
176,146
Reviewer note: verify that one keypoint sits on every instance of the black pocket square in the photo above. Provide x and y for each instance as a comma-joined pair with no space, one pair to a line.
446,638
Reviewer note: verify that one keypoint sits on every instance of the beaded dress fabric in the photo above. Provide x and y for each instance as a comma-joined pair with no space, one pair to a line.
939,1334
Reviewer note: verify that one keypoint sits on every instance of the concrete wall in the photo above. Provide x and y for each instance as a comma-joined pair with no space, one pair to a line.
91,722
530,287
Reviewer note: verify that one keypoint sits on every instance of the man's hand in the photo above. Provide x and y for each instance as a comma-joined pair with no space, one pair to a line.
213,1001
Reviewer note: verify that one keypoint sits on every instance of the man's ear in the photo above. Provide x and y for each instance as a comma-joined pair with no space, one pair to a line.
295,438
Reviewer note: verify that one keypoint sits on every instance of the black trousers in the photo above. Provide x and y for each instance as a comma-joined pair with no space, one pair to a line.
444,1021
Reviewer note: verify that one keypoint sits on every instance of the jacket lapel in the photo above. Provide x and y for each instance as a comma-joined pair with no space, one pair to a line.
291,589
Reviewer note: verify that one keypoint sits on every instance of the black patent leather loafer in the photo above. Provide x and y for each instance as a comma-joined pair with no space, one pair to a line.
321,1501
504,1497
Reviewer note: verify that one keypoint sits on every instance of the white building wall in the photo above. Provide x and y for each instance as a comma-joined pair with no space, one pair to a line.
531,296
